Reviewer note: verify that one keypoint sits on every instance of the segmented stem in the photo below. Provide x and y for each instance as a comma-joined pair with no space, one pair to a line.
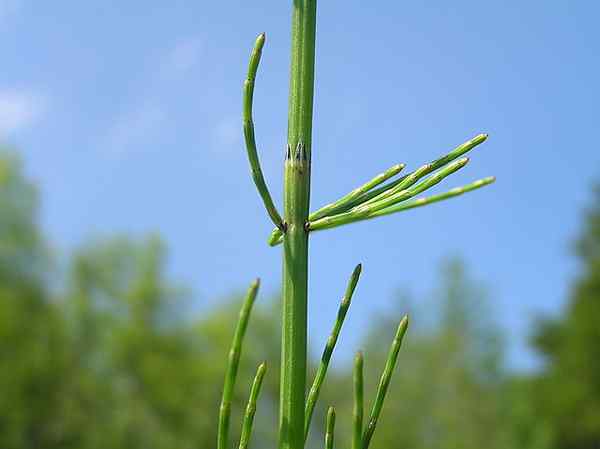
358,408
295,245
232,365
257,174
251,407
371,194
384,382
313,394
330,428
340,204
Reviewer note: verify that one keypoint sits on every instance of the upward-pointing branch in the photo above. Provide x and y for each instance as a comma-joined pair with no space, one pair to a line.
233,363
257,174
313,394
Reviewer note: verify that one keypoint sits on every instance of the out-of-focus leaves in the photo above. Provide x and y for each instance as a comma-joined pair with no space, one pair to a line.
113,354
567,391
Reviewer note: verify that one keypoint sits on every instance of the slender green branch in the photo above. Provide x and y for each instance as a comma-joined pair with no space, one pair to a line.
251,407
313,394
331,208
296,202
402,186
363,212
409,179
358,408
370,194
456,191
232,365
401,193
420,202
330,428
257,174
384,382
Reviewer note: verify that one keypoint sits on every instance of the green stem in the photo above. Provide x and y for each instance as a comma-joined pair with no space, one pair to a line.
328,223
251,407
357,411
313,394
257,174
296,208
363,211
330,428
384,382
369,193
409,179
340,204
232,365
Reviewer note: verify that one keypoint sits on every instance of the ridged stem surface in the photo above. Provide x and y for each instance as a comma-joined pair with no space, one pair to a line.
295,246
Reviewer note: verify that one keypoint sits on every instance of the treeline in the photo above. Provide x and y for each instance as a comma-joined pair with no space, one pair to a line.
105,351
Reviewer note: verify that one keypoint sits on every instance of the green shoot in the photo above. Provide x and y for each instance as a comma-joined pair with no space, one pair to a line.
255,168
251,407
330,428
358,409
313,394
384,382
233,365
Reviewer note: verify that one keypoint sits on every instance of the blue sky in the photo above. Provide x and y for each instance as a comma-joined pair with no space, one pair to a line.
127,115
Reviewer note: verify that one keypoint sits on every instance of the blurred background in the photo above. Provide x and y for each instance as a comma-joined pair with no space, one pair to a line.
129,226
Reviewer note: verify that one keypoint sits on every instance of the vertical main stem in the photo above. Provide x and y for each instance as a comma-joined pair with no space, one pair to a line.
296,208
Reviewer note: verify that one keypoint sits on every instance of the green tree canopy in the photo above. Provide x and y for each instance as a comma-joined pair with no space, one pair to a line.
568,392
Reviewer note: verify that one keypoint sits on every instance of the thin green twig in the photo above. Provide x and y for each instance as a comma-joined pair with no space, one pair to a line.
251,407
358,408
456,191
424,201
409,179
340,204
373,193
257,174
384,382
313,394
363,212
330,428
401,194
233,364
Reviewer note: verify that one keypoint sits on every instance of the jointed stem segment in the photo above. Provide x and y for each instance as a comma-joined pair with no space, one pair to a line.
233,364
340,204
313,394
251,407
330,428
384,382
358,409
256,170
296,201
366,201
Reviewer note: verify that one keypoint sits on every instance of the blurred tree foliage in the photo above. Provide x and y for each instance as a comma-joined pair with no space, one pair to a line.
568,388
449,390
105,351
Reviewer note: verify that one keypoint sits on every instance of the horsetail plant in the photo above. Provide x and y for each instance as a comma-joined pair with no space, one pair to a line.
380,196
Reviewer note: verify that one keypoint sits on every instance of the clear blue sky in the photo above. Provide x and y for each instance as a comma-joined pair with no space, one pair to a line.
128,117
